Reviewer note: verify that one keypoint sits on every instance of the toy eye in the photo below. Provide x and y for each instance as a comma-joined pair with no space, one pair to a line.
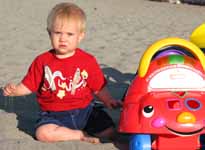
148,111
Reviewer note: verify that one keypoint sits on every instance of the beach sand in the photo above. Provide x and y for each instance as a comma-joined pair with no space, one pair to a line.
118,32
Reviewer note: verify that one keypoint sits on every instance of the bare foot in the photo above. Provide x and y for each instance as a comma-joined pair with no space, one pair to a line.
90,139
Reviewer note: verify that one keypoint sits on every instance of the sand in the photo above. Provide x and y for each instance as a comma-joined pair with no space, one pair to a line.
118,32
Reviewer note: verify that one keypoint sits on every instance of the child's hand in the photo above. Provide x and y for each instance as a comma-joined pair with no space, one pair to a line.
107,99
113,104
9,89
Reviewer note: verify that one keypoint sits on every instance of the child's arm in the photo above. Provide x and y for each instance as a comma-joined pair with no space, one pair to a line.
107,99
15,90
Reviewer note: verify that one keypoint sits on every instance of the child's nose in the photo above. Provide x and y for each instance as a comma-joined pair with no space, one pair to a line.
63,37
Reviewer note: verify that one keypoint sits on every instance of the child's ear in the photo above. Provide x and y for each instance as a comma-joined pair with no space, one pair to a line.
82,35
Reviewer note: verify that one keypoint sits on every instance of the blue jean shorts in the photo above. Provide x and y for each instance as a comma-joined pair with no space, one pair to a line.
73,119
90,119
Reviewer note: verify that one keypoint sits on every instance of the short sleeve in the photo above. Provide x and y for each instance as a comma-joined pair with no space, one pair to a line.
33,78
96,79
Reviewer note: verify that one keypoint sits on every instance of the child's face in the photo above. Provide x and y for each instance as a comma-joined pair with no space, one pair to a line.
65,37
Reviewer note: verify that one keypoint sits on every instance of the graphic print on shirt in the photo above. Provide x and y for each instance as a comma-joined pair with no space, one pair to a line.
64,84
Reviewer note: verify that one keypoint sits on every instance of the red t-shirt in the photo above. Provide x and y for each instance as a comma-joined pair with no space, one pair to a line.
64,84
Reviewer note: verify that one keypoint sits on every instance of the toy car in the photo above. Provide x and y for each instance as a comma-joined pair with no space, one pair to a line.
164,107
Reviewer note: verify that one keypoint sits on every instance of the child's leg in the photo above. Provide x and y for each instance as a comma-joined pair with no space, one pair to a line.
63,126
101,125
110,133
54,133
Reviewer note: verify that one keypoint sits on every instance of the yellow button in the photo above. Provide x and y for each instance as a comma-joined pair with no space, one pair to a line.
186,117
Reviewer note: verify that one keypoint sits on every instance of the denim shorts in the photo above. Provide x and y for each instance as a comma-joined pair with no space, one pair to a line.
90,119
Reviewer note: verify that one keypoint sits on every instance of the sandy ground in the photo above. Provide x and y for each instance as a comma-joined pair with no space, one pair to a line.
118,32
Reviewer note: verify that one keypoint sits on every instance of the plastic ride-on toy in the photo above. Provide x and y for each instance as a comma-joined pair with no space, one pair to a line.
164,107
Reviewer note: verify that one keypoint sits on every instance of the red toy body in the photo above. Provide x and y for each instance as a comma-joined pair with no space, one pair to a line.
168,101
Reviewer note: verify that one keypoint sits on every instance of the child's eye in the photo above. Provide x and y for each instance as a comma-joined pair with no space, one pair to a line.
57,33
70,34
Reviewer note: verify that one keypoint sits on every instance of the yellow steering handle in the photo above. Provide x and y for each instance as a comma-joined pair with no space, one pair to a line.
173,41
198,36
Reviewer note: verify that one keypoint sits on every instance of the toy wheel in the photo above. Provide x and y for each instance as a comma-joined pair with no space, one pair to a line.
140,142
202,139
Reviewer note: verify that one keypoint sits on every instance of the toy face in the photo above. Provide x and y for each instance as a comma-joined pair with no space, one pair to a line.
179,113
169,99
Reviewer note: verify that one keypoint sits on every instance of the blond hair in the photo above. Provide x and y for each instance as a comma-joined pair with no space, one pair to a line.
66,11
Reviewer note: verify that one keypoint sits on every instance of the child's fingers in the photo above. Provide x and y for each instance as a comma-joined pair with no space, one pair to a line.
116,104
8,89
11,87
6,92
120,103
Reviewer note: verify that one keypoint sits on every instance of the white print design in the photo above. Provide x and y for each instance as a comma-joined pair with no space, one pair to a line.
78,80
50,77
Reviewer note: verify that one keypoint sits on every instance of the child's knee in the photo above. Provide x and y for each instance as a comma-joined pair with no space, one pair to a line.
43,135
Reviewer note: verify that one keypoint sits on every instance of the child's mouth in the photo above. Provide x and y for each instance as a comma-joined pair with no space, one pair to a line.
63,46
